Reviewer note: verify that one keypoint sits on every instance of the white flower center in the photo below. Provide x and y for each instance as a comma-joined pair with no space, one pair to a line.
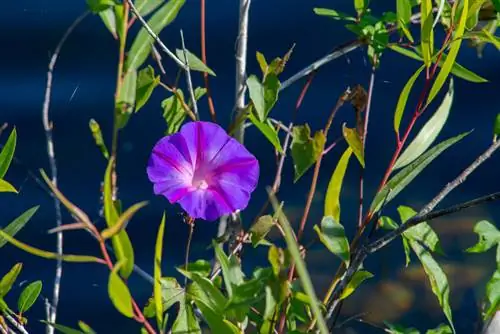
202,184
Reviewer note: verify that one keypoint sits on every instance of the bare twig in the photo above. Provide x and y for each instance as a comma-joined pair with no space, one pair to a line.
241,65
188,79
157,39
47,125
15,323
211,107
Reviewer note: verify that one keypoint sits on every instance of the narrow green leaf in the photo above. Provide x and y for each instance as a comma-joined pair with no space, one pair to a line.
85,328
403,12
6,187
262,63
359,5
146,83
398,182
271,88
108,17
332,235
403,98
45,254
473,13
492,295
63,329
203,291
398,329
231,270
122,221
17,224
97,6
7,153
441,329
260,229
488,235
256,92
157,290
352,138
9,279
452,54
426,31
195,63
121,242
267,130
305,150
305,279
332,199
126,96
334,14
119,293
95,129
216,323
173,112
199,92
142,43
29,296
496,126
356,280
145,7
428,133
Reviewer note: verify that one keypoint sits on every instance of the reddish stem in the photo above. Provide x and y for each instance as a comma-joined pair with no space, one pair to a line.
211,107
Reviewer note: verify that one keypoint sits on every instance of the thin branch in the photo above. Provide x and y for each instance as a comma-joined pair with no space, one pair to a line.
15,323
188,79
241,64
155,36
211,107
47,126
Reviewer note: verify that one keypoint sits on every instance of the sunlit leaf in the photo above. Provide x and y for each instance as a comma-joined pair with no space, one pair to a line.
260,229
267,130
119,293
171,292
441,329
146,83
334,14
426,31
97,6
403,11
332,198
173,112
256,92
356,280
157,290
95,129
403,98
352,138
186,321
332,235
261,59
398,329
305,150
422,232
428,133
452,54
122,221
144,7
9,279
6,187
29,296
496,126
359,5
64,329
399,181
126,95
271,88
216,323
17,224
493,295
488,235
85,328
195,63
231,270
108,17
7,153
142,43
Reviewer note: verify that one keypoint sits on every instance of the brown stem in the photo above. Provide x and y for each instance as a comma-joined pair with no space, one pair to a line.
211,107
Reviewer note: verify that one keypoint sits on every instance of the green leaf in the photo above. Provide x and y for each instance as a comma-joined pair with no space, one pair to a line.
231,270
441,329
63,329
488,235
260,229
436,275
97,134
359,5
200,267
336,15
216,323
305,279
199,92
171,292
398,329
262,63
428,133
305,150
426,31
126,95
45,254
29,296
203,291
9,279
403,11
398,182
276,258
356,280
119,293
195,63
421,233
121,242
6,187
492,295
186,321
17,224
496,126
271,88
352,138
473,13
267,130
142,43
108,17
403,98
256,92
146,83
97,6
173,112
7,153
85,328
332,198
157,290
452,54
332,235
144,7
122,221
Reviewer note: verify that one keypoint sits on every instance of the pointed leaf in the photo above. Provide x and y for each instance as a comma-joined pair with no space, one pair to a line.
146,83
6,187
488,235
17,224
9,279
260,229
332,235
108,17
29,296
97,134
195,63
492,295
336,15
144,7
63,329
441,329
157,290
173,112
422,233
332,199
356,280
231,270
403,98
186,321
426,31
352,138
262,63
119,293
267,130
256,92
7,153
271,88
122,221
496,126
305,150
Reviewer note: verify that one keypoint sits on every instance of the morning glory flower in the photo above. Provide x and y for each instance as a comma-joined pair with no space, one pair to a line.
202,168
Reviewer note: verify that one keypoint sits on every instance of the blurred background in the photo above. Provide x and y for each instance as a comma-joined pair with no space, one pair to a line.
84,84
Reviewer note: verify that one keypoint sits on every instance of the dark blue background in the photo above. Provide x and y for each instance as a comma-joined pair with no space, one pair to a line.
83,88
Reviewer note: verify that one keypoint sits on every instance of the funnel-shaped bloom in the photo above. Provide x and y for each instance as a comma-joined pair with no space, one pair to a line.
203,169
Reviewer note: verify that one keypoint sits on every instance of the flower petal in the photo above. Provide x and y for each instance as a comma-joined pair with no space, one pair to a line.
204,204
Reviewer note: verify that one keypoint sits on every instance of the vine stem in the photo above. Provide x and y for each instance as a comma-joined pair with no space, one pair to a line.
190,223
51,308
211,107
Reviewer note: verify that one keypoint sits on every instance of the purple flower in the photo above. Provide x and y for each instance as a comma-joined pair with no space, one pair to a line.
202,168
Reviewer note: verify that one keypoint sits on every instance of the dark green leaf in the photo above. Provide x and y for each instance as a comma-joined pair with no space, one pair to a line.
398,329
7,153
496,126
332,199
119,293
217,323
305,150
194,62
267,130
17,224
146,83
356,280
203,291
352,138
142,43
488,235
29,296
398,182
260,229
9,279
271,89
332,235
97,6
173,112
441,329
231,270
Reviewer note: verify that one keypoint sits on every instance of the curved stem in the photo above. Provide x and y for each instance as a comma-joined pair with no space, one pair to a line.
211,107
